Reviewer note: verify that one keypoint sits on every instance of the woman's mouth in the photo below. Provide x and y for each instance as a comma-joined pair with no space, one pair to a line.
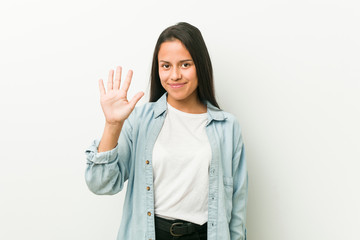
177,85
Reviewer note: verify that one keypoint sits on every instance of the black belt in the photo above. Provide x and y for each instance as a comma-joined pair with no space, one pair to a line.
178,228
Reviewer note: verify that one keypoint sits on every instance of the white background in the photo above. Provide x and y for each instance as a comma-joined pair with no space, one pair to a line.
289,71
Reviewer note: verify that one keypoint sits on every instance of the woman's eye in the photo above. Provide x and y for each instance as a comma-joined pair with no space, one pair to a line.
185,65
166,66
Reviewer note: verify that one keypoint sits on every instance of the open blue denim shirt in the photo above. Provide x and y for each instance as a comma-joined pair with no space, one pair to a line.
131,160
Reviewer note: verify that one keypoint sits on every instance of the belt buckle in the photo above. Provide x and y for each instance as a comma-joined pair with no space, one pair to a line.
171,229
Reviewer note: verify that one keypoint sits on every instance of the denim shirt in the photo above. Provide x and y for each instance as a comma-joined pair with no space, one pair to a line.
131,160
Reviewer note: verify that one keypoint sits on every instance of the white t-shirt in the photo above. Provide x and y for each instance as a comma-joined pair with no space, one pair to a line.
181,160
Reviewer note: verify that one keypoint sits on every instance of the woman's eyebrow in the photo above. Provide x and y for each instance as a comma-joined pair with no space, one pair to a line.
185,60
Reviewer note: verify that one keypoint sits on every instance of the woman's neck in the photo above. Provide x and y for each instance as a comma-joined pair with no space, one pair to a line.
189,105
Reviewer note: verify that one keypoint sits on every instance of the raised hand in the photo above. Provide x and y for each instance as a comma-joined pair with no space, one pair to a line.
114,101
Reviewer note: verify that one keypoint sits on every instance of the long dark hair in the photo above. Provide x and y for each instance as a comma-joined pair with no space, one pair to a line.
192,39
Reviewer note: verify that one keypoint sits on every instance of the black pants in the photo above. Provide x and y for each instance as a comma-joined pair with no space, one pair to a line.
165,235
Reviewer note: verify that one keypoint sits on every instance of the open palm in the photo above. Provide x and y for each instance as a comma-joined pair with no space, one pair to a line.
114,101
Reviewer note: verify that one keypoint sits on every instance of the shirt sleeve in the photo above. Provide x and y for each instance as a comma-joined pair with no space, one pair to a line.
240,192
106,172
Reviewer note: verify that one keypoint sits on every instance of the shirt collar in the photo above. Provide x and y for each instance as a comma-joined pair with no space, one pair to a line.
160,106
214,113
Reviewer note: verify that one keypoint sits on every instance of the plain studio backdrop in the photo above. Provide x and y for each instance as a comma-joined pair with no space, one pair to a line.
288,70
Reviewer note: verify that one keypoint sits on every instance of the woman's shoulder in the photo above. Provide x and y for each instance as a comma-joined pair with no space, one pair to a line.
151,108
144,109
222,115
227,120
142,113
232,120
229,116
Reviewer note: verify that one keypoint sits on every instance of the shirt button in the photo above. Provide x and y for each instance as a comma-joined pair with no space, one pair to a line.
148,188
149,213
147,162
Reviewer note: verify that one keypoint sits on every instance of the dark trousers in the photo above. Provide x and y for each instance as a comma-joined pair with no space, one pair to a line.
165,235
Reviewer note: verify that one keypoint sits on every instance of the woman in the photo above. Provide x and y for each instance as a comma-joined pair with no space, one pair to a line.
183,157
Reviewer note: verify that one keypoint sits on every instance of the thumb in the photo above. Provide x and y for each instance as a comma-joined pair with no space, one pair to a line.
135,99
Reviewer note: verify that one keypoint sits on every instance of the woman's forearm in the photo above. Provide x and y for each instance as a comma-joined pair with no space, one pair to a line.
110,137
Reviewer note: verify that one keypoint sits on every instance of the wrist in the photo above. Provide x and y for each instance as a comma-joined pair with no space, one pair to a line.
113,128
110,136
114,124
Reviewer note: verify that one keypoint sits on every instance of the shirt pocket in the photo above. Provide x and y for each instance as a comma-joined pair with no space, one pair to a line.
228,192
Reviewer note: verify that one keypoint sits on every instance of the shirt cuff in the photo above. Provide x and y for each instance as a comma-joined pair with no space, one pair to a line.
94,156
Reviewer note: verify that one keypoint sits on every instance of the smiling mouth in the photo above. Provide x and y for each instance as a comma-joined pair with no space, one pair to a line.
177,85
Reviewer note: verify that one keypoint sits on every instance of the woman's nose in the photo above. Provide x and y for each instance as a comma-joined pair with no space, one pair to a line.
175,74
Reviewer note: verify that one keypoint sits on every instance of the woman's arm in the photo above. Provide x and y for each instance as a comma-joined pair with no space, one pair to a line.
107,171
110,137
240,193
108,159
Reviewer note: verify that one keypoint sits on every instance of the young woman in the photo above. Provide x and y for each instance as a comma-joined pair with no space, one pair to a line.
182,156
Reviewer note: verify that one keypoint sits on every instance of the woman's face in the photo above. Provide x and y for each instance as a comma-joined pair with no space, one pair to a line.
177,73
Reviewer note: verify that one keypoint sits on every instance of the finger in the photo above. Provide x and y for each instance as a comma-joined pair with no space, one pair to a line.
110,80
117,78
127,82
135,99
101,87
